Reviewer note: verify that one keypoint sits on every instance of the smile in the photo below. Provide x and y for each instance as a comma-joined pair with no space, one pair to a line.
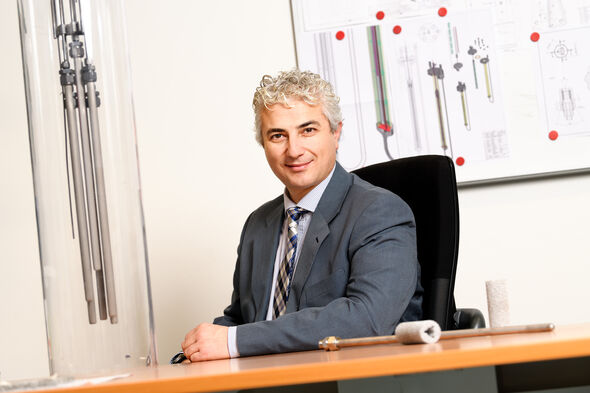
297,167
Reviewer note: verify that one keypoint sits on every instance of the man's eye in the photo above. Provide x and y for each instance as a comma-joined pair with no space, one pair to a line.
276,136
308,130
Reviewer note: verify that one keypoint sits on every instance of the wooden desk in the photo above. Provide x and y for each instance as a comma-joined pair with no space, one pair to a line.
350,363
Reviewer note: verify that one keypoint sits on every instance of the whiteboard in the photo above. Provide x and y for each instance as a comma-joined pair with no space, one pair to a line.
500,86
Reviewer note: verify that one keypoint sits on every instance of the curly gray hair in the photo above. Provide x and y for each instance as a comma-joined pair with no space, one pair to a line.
309,87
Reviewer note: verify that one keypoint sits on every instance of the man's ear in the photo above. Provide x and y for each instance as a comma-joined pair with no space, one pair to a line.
337,133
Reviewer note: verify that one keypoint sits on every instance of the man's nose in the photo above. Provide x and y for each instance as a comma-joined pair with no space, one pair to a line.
294,147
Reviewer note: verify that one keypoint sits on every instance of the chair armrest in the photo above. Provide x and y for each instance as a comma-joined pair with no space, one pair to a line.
469,318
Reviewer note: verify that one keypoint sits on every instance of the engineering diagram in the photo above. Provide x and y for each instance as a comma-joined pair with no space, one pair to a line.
500,86
414,93
563,74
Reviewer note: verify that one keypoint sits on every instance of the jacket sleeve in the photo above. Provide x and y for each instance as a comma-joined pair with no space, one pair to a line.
232,315
382,280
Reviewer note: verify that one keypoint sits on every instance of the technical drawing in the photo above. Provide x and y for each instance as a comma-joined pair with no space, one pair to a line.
561,50
485,61
429,32
587,79
437,73
461,88
409,62
402,7
562,73
457,65
503,9
567,103
584,11
328,14
481,44
451,40
325,57
325,62
357,101
495,144
552,13
432,53
505,25
384,123
396,85
429,3
472,51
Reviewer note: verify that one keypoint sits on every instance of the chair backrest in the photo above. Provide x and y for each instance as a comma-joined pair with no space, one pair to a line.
428,185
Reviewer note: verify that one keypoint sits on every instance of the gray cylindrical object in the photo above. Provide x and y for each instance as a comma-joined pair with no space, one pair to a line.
418,332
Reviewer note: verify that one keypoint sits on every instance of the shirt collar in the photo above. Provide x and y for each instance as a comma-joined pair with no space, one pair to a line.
310,201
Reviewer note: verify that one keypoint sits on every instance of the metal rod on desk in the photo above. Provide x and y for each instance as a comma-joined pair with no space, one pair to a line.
495,331
333,343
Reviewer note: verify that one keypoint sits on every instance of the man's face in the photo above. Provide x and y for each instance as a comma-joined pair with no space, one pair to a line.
299,145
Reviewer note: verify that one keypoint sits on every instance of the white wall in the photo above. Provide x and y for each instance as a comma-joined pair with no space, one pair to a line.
195,65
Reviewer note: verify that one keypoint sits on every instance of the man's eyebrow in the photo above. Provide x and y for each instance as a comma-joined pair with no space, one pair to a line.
273,130
309,123
303,125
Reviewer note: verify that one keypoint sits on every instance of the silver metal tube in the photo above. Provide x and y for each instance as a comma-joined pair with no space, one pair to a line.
62,12
105,236
102,305
58,31
54,19
72,128
91,204
73,12
88,168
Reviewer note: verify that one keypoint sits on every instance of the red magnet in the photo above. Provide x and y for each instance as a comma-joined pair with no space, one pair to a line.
442,11
553,135
384,127
340,35
380,15
397,29
460,161
535,37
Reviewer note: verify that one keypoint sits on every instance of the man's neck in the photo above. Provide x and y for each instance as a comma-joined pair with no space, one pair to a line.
310,197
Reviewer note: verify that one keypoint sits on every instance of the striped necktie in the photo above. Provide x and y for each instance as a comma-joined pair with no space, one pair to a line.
283,285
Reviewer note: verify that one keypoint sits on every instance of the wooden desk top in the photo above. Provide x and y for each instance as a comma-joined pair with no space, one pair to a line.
349,363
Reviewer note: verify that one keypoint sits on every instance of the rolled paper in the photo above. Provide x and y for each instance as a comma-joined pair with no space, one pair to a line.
418,332
498,307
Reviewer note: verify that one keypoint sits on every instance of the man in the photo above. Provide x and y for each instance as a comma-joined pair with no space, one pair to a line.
334,255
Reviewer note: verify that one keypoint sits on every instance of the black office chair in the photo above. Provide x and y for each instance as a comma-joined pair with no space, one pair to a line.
428,185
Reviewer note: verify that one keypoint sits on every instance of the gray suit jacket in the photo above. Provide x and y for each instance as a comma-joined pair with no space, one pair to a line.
357,273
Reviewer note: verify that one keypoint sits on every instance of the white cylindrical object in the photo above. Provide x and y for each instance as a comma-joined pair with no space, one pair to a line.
418,332
498,306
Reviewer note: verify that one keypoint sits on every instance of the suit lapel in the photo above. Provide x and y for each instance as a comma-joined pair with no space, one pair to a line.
264,258
328,207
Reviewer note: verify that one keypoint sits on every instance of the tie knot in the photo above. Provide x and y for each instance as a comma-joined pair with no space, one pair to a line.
295,213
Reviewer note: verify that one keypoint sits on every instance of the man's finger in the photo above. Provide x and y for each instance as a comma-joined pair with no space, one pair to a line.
190,338
196,357
191,349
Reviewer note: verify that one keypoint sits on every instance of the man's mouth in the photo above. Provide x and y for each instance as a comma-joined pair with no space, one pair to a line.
298,166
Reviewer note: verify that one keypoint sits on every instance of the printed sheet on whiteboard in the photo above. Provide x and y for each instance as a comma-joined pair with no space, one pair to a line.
501,87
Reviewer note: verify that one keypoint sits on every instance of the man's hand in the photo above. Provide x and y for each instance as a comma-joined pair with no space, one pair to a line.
206,342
